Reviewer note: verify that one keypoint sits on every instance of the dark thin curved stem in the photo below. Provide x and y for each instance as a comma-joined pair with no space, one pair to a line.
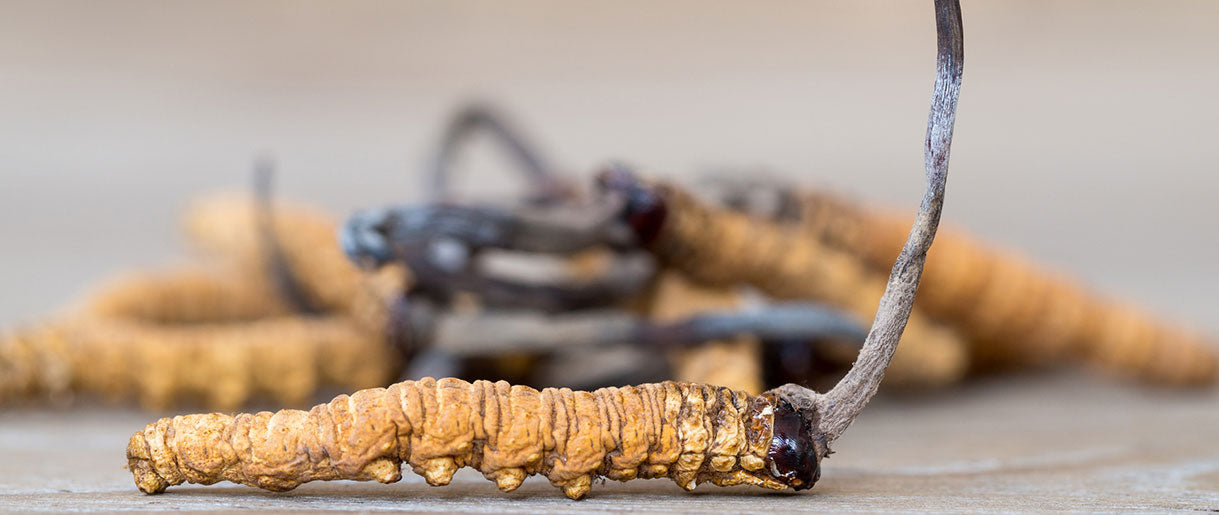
437,281
792,321
523,331
377,236
843,403
276,261
545,184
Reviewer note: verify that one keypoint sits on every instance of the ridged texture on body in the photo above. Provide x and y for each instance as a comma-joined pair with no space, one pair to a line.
1014,311
688,432
723,247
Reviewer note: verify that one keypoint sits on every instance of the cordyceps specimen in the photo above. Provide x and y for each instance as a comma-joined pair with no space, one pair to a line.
294,247
284,319
1013,312
719,246
724,247
688,432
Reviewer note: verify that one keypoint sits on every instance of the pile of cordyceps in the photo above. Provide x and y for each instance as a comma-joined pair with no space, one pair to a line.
271,310
747,284
750,251
727,290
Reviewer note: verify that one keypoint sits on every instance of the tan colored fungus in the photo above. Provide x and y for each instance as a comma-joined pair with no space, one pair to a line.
689,433
223,334
223,365
721,247
1015,312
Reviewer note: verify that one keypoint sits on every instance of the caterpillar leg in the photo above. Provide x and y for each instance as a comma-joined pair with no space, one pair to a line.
689,433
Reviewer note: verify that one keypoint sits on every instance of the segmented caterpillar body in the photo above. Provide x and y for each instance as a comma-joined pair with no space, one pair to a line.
723,247
187,296
1014,311
225,226
224,365
690,433
224,336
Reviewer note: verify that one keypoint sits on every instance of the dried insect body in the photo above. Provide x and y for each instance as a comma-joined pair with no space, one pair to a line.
687,432
1013,312
725,248
187,296
1020,313
227,227
225,334
225,365
690,433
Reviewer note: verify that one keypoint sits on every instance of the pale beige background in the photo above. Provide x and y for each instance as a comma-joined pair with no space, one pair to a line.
1087,136
1087,130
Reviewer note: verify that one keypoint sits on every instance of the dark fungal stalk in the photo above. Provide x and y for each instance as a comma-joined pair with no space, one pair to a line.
844,402
803,435
544,182
510,331
833,411
276,262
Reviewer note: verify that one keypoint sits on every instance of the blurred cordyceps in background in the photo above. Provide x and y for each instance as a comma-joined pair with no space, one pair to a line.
225,332
1014,312
725,248
1008,312
596,283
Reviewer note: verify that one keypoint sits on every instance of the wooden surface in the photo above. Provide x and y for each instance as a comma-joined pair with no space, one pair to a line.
1029,444
117,113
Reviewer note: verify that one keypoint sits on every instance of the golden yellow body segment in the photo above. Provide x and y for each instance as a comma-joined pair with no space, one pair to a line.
223,335
1014,311
690,433
723,247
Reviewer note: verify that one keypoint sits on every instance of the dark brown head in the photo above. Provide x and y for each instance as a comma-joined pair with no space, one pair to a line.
644,208
795,449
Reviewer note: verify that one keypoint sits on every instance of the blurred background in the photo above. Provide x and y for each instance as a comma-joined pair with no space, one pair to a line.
1086,137
1086,134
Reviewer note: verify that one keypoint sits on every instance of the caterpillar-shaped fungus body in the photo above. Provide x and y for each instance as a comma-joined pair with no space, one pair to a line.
718,246
224,335
187,296
688,432
287,359
227,226
1014,311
